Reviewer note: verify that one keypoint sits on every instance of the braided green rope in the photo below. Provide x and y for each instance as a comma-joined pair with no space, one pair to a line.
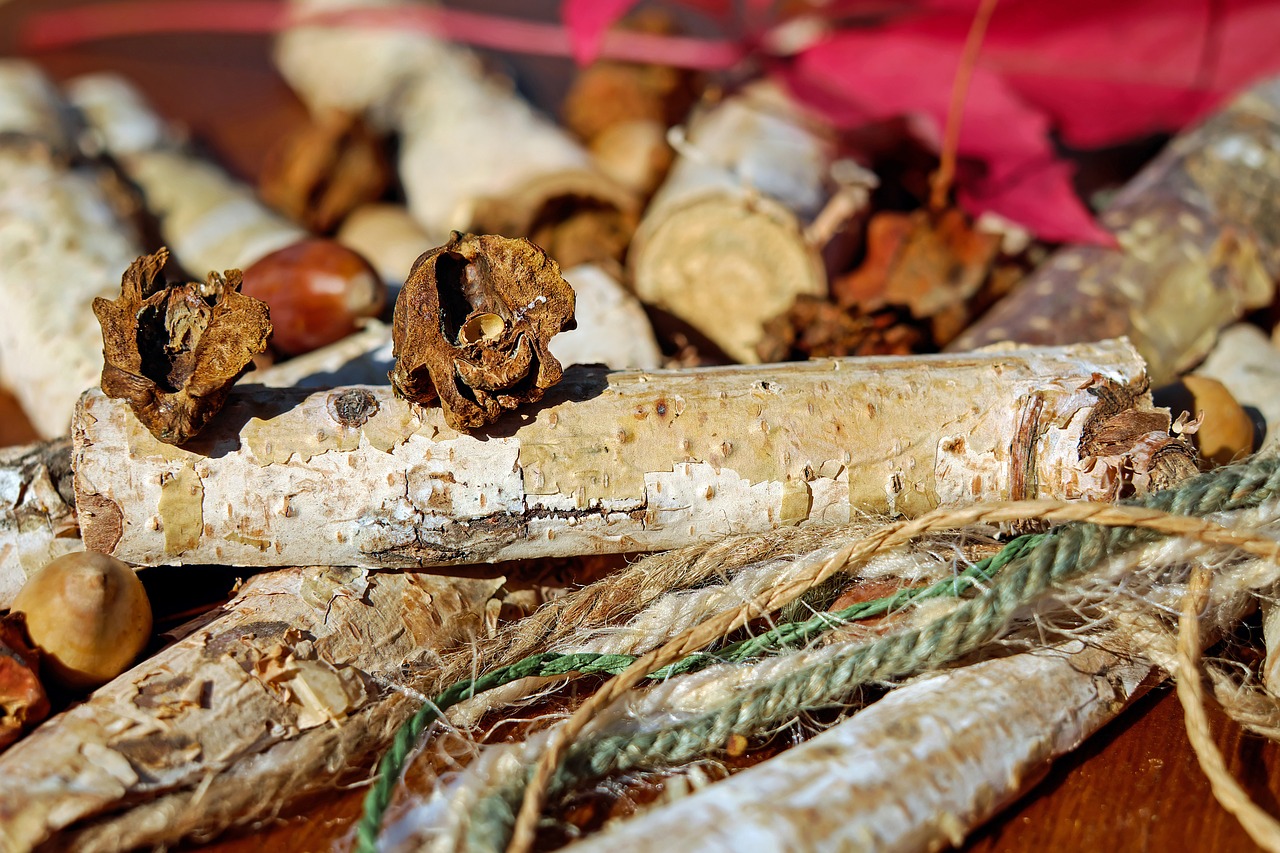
784,636
1069,554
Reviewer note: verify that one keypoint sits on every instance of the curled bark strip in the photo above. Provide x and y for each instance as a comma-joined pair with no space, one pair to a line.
174,351
472,326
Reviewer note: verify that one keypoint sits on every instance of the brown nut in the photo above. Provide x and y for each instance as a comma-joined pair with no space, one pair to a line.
472,326
317,291
1226,432
88,615
174,351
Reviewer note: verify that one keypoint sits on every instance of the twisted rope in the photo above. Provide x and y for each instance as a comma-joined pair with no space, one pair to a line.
1056,560
787,635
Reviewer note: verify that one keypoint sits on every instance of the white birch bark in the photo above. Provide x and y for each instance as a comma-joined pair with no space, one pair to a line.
917,770
465,135
210,220
279,693
37,514
722,244
61,245
609,462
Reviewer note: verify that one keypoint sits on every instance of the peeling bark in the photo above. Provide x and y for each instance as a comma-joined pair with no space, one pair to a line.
619,462
722,244
37,512
61,245
280,693
1199,246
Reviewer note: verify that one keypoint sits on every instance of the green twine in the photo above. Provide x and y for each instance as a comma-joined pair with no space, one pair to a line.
782,637
1069,553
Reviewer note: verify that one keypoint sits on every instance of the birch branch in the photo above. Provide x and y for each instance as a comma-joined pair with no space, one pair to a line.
280,694
722,244
618,462
1198,248
210,220
37,512
456,124
61,245
917,770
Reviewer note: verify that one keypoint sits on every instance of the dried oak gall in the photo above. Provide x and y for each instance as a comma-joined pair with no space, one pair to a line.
88,615
174,351
317,291
472,326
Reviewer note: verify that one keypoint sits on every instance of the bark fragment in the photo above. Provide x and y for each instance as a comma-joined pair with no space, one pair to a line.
37,511
282,691
174,351
472,326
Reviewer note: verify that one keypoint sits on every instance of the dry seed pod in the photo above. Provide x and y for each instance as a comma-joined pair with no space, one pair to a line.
88,615
472,326
174,351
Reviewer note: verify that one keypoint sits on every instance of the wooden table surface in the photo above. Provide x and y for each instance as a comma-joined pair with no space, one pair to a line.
1134,787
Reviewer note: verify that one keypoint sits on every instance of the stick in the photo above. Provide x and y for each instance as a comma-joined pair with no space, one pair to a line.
915,771
1196,250
61,245
618,462
37,512
751,174
275,697
473,155
210,220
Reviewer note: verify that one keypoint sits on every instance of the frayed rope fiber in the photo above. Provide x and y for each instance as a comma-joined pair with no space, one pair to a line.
787,635
1035,568
1074,551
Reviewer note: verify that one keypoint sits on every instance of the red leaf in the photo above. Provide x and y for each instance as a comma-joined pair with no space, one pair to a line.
588,21
867,76
1106,71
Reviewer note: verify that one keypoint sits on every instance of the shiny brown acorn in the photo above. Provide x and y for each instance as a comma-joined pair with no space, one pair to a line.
317,290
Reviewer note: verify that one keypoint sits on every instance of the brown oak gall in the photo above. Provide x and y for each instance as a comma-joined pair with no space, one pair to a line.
472,326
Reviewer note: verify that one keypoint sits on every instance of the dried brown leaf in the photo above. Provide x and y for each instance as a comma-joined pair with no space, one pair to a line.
173,351
472,326
23,702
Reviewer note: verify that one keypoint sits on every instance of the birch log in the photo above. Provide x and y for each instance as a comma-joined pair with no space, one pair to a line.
474,156
37,512
618,462
917,770
209,220
722,244
280,694
61,245
1199,245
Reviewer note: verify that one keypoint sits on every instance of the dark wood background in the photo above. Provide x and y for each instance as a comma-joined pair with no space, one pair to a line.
1134,787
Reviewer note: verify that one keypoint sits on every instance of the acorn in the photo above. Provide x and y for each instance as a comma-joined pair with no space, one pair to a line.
318,292
89,616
